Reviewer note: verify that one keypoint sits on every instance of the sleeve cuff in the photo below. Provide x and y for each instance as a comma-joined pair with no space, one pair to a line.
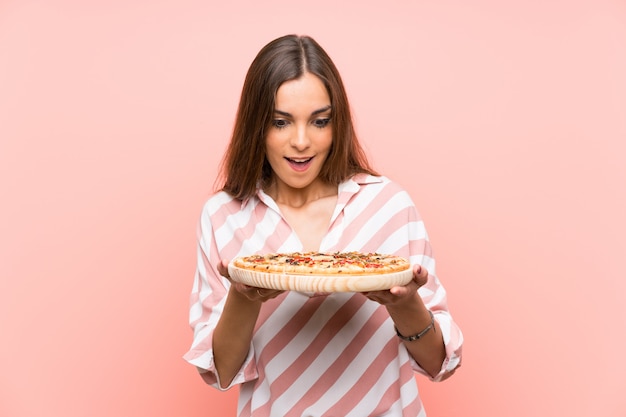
453,342
205,363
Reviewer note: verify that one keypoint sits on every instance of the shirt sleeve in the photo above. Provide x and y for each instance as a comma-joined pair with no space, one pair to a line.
207,300
434,295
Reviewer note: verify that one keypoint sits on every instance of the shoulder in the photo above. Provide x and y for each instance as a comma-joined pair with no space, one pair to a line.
221,206
217,202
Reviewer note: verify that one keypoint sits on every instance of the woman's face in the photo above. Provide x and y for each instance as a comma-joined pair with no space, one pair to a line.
300,137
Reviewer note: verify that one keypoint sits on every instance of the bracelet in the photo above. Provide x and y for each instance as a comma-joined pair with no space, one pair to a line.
420,334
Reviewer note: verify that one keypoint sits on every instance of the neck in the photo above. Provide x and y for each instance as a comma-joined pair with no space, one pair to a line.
299,197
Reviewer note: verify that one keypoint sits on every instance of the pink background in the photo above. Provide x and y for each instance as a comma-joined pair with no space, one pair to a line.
506,120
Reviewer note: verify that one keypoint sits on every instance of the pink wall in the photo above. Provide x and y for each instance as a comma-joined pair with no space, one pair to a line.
505,120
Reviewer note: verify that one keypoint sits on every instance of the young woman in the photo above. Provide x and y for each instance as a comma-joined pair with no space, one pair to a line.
296,179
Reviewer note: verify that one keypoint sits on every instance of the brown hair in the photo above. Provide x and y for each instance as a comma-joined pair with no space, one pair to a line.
287,58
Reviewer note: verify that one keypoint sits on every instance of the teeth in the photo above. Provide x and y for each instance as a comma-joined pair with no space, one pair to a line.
299,160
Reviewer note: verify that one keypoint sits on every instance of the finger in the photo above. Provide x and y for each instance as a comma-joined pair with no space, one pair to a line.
380,297
264,294
420,275
375,299
252,293
399,291
222,268
274,294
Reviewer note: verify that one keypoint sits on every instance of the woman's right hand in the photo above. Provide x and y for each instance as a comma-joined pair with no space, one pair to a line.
251,293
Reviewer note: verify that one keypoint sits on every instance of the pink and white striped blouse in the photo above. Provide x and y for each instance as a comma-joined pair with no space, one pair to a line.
319,354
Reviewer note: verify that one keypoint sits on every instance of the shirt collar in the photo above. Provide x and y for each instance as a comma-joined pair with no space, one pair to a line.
352,186
345,190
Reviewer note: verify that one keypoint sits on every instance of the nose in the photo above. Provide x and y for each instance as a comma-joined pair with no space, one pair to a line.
300,139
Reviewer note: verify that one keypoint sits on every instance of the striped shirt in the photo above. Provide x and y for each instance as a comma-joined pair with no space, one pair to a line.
316,354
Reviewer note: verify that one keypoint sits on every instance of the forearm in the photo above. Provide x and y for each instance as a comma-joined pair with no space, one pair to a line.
233,335
410,319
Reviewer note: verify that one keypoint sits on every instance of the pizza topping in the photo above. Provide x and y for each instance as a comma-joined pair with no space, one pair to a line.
324,263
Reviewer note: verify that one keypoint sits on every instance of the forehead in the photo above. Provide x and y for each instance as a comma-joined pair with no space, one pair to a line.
306,92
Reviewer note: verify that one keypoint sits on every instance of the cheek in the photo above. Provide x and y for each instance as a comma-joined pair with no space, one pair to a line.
273,152
272,144
324,139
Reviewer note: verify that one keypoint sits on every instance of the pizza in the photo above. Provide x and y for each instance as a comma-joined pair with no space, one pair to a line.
321,272
319,263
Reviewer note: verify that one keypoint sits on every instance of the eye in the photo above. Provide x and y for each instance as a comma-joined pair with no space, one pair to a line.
280,123
321,123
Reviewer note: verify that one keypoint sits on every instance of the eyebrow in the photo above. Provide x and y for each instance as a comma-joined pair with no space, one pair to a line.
315,113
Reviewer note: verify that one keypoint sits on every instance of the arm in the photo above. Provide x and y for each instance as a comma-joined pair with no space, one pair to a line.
410,316
234,330
211,298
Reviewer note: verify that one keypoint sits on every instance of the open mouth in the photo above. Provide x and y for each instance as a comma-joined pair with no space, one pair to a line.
299,164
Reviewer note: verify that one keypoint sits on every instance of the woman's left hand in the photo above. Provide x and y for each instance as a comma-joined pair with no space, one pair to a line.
401,294
410,316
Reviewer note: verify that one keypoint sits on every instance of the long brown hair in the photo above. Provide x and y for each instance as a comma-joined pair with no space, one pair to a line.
287,58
